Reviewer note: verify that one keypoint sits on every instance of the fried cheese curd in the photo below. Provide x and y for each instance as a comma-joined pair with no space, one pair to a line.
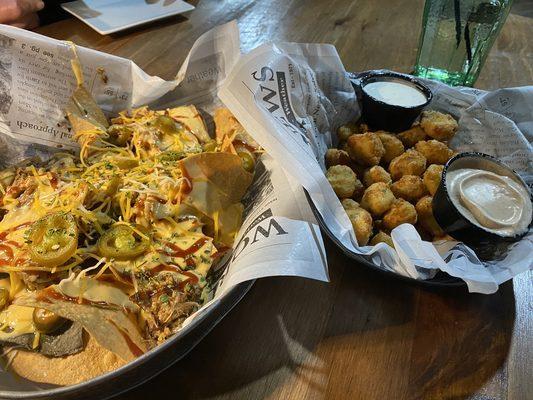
432,178
345,131
409,163
409,187
377,199
412,136
397,171
366,148
376,174
392,145
435,152
424,209
361,220
342,180
382,237
336,157
401,212
438,125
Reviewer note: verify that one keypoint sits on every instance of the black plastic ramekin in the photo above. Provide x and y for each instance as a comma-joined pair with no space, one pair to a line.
450,218
383,116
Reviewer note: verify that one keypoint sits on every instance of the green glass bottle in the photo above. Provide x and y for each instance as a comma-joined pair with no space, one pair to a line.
456,38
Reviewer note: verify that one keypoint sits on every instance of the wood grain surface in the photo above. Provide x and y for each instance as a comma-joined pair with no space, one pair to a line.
361,336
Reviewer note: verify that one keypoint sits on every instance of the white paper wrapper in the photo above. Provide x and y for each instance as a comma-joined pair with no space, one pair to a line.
279,236
292,97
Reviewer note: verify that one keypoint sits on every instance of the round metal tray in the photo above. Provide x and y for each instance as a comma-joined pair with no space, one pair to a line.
134,373
441,279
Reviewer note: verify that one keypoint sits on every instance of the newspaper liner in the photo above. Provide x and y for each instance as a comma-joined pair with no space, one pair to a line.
290,97
279,236
293,96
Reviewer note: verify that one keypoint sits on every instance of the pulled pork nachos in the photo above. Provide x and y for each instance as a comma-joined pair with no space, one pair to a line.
104,254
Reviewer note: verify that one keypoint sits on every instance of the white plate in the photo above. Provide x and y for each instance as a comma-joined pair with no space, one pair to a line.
108,16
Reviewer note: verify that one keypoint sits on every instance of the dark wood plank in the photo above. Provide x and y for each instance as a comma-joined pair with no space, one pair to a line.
366,35
362,336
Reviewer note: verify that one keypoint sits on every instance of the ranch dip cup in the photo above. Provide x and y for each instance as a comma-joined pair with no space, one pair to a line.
392,101
482,202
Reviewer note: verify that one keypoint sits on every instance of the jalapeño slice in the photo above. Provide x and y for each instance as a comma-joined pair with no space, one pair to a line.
122,242
165,124
46,321
53,239
247,158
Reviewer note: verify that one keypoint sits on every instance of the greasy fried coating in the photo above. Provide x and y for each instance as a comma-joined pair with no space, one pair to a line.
361,221
392,145
382,237
412,136
438,125
425,216
376,174
365,149
409,163
336,157
377,198
345,131
409,187
342,180
401,212
349,204
435,152
432,178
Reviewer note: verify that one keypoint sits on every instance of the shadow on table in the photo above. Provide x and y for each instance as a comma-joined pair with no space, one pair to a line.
417,341
461,344
248,345
358,332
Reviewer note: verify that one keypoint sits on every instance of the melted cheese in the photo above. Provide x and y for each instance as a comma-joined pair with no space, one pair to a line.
5,283
15,321
21,215
110,185
95,291
16,285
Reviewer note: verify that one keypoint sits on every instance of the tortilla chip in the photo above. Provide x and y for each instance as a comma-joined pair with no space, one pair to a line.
227,126
111,327
218,181
66,340
84,114
93,361
229,223
191,119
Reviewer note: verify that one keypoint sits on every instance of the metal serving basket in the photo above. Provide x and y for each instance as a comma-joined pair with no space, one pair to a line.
134,373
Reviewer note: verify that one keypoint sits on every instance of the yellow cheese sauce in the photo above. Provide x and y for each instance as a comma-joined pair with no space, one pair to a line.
15,321
95,291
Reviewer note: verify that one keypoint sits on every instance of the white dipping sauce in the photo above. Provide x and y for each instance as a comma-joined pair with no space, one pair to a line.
496,203
396,93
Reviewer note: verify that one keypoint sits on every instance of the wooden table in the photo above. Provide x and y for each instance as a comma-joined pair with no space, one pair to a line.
361,336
